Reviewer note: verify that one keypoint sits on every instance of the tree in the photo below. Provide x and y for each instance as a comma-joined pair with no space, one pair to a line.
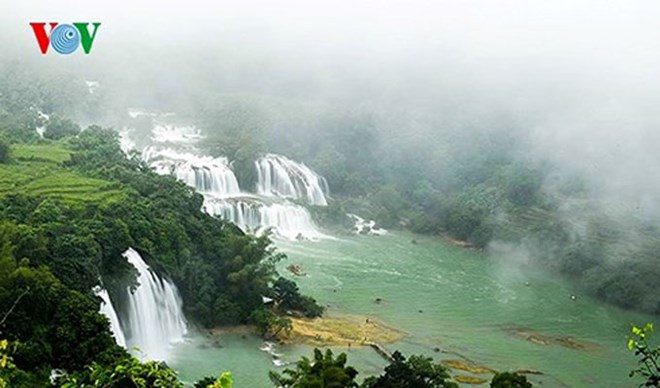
510,380
288,297
649,356
269,323
263,320
324,371
281,323
55,327
59,127
417,372
127,372
223,381
5,151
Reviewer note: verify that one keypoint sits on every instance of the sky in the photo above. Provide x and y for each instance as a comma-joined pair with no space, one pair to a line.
581,75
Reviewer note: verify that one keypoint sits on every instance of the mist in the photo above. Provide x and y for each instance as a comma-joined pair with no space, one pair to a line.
484,165
572,84
577,77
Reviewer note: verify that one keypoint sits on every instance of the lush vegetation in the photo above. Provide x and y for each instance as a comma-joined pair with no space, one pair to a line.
287,297
510,380
649,356
69,207
71,203
325,370
418,371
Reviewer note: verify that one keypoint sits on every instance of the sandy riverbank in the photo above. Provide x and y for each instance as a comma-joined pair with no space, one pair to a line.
342,330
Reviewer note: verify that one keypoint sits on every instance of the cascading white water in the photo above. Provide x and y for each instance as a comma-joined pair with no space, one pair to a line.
278,180
287,220
206,174
154,317
175,134
282,177
125,143
108,310
363,226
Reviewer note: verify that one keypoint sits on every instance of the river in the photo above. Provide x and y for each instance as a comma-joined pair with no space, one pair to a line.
457,300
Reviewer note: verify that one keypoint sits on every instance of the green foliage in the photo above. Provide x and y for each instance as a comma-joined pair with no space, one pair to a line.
416,372
6,364
649,356
629,284
581,256
270,324
126,372
60,127
223,381
67,212
42,152
38,172
68,209
510,380
324,371
5,151
288,297
263,320
221,272
53,326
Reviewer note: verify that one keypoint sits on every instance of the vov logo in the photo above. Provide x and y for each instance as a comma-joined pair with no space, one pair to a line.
65,38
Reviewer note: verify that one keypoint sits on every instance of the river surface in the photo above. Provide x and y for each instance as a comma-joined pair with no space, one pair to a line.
457,300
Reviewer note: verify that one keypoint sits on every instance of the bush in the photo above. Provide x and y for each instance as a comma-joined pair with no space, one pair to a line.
288,297
510,380
58,128
416,372
125,372
323,371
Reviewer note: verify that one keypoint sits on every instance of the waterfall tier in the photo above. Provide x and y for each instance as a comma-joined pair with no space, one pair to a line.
205,174
282,177
287,220
109,311
280,181
175,134
154,318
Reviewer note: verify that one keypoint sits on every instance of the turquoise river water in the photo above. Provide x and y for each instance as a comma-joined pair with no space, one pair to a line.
471,304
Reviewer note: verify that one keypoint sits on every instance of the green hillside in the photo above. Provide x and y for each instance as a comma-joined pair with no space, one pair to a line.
39,170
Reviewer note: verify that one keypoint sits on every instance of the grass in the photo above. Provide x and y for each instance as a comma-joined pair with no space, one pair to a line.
38,170
43,152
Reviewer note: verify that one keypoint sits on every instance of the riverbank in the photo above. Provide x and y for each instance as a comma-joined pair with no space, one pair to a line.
341,331
344,331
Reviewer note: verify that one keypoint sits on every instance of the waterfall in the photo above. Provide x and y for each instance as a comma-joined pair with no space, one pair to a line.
154,316
205,174
287,220
108,310
175,134
125,143
280,182
282,177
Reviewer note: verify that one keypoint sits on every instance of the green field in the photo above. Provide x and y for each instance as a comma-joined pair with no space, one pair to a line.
38,170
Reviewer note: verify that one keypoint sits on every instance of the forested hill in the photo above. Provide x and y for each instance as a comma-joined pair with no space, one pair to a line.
69,208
